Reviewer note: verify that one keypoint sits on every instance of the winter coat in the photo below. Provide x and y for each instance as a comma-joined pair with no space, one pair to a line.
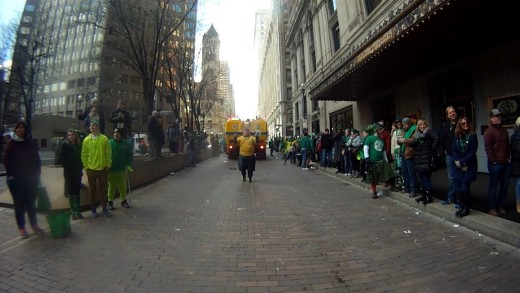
21,159
447,135
515,153
326,142
425,146
338,146
464,150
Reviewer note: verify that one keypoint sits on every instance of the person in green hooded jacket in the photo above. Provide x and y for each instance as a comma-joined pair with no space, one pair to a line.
122,158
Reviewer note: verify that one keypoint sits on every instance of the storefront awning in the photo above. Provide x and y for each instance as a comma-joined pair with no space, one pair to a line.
429,35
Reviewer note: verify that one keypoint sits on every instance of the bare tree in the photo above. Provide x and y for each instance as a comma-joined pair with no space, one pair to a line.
137,33
7,37
34,46
180,86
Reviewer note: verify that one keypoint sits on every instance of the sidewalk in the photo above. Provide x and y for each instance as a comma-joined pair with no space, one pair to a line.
505,228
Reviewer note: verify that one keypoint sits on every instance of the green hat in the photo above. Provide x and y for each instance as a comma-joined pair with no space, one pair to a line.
353,130
94,121
370,129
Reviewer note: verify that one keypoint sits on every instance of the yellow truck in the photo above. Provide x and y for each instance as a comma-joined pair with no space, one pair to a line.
258,128
233,127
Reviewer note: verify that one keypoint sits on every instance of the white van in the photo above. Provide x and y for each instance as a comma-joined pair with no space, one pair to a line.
135,141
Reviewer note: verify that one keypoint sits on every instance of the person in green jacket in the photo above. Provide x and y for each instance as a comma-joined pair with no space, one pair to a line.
122,158
96,156
306,148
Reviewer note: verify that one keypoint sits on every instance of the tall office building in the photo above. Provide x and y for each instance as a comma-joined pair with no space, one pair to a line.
81,60
217,101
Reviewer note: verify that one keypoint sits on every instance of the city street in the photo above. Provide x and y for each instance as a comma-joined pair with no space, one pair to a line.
290,230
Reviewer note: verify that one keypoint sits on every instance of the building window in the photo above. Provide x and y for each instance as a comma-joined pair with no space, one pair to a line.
30,7
371,5
332,6
81,82
335,36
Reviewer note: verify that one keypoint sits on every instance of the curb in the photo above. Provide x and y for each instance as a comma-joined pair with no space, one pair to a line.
494,227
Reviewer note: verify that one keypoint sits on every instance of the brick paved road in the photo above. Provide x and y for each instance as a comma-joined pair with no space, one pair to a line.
204,230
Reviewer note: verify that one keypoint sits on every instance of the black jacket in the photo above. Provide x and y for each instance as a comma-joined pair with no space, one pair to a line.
447,135
425,145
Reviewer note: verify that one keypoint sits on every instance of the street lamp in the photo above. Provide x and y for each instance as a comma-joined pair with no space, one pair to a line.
79,100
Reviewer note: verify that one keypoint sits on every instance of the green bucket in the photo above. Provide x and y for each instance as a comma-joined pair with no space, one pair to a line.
59,223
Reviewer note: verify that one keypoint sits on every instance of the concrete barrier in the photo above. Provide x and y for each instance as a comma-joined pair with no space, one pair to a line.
145,172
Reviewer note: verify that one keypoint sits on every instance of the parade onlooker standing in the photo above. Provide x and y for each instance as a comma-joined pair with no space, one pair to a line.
464,150
96,156
496,142
375,159
93,110
338,146
246,157
122,158
425,142
347,157
155,135
396,154
291,154
306,148
173,138
23,169
271,146
515,161
385,137
122,120
70,159
354,144
186,140
407,151
446,138
326,149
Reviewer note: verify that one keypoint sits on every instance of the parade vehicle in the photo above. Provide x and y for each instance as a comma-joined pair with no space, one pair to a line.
233,127
258,128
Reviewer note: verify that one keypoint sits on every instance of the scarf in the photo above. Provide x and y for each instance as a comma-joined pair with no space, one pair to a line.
408,134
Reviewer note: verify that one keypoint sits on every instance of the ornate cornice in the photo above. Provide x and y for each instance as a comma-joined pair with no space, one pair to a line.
295,18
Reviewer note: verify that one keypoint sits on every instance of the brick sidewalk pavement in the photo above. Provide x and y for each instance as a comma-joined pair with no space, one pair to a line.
204,230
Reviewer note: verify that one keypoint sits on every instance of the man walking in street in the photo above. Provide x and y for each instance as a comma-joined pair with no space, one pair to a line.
496,142
96,156
246,157
122,158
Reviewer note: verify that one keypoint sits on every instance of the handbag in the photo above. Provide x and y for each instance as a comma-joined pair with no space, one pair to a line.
43,203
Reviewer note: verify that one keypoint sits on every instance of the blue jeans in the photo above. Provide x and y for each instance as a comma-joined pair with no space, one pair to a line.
450,162
408,172
325,158
498,174
305,155
426,181
347,161
23,192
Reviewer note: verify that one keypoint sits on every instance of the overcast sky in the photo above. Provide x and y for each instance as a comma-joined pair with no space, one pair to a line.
234,21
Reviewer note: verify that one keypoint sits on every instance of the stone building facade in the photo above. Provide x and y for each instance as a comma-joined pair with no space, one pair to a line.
355,62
